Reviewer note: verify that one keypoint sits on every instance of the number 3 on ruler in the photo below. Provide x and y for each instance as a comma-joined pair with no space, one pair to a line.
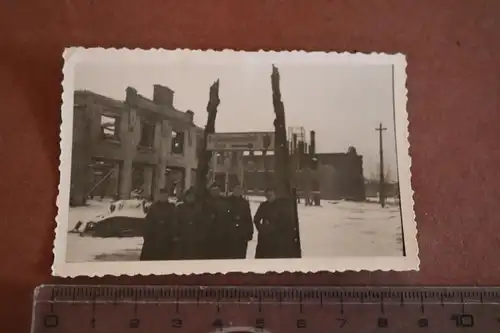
177,323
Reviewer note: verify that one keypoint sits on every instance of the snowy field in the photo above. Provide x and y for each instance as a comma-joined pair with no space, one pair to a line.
337,228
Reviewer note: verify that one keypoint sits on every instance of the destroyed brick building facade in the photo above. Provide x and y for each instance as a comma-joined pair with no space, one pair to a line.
139,143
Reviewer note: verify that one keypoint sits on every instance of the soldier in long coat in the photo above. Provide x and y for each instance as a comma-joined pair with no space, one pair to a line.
266,221
160,230
240,226
216,220
191,234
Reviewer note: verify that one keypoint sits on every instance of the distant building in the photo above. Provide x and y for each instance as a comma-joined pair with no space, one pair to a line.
341,176
136,144
338,176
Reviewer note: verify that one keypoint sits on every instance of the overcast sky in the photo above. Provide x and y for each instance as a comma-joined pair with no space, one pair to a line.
342,103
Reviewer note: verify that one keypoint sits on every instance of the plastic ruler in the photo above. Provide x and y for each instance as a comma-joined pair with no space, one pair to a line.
193,309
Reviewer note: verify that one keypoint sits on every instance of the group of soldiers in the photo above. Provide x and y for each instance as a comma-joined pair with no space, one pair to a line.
212,227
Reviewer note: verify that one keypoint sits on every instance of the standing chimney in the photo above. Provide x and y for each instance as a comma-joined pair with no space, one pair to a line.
130,96
190,115
312,145
163,95
294,143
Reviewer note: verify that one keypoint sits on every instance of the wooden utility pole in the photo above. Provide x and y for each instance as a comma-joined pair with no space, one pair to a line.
313,186
381,184
294,159
205,156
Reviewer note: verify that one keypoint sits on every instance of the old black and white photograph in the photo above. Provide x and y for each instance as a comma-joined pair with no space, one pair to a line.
180,162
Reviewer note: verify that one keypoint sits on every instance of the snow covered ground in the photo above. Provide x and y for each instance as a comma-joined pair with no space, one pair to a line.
337,228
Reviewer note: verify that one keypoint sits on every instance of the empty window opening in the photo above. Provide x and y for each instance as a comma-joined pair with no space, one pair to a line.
109,127
147,134
178,142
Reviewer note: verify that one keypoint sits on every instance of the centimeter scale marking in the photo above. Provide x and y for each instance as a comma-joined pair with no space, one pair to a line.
82,309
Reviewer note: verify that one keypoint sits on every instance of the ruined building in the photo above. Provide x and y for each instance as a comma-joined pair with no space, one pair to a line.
136,144
334,176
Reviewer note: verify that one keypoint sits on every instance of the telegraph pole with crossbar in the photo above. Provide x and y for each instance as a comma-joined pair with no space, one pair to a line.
381,190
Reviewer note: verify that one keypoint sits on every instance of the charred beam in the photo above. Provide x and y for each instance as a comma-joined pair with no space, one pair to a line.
205,156
286,196
282,172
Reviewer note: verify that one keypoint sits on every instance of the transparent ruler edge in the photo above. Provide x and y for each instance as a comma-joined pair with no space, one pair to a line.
264,294
256,295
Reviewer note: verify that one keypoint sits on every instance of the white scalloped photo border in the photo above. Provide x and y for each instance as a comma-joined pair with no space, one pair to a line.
62,268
